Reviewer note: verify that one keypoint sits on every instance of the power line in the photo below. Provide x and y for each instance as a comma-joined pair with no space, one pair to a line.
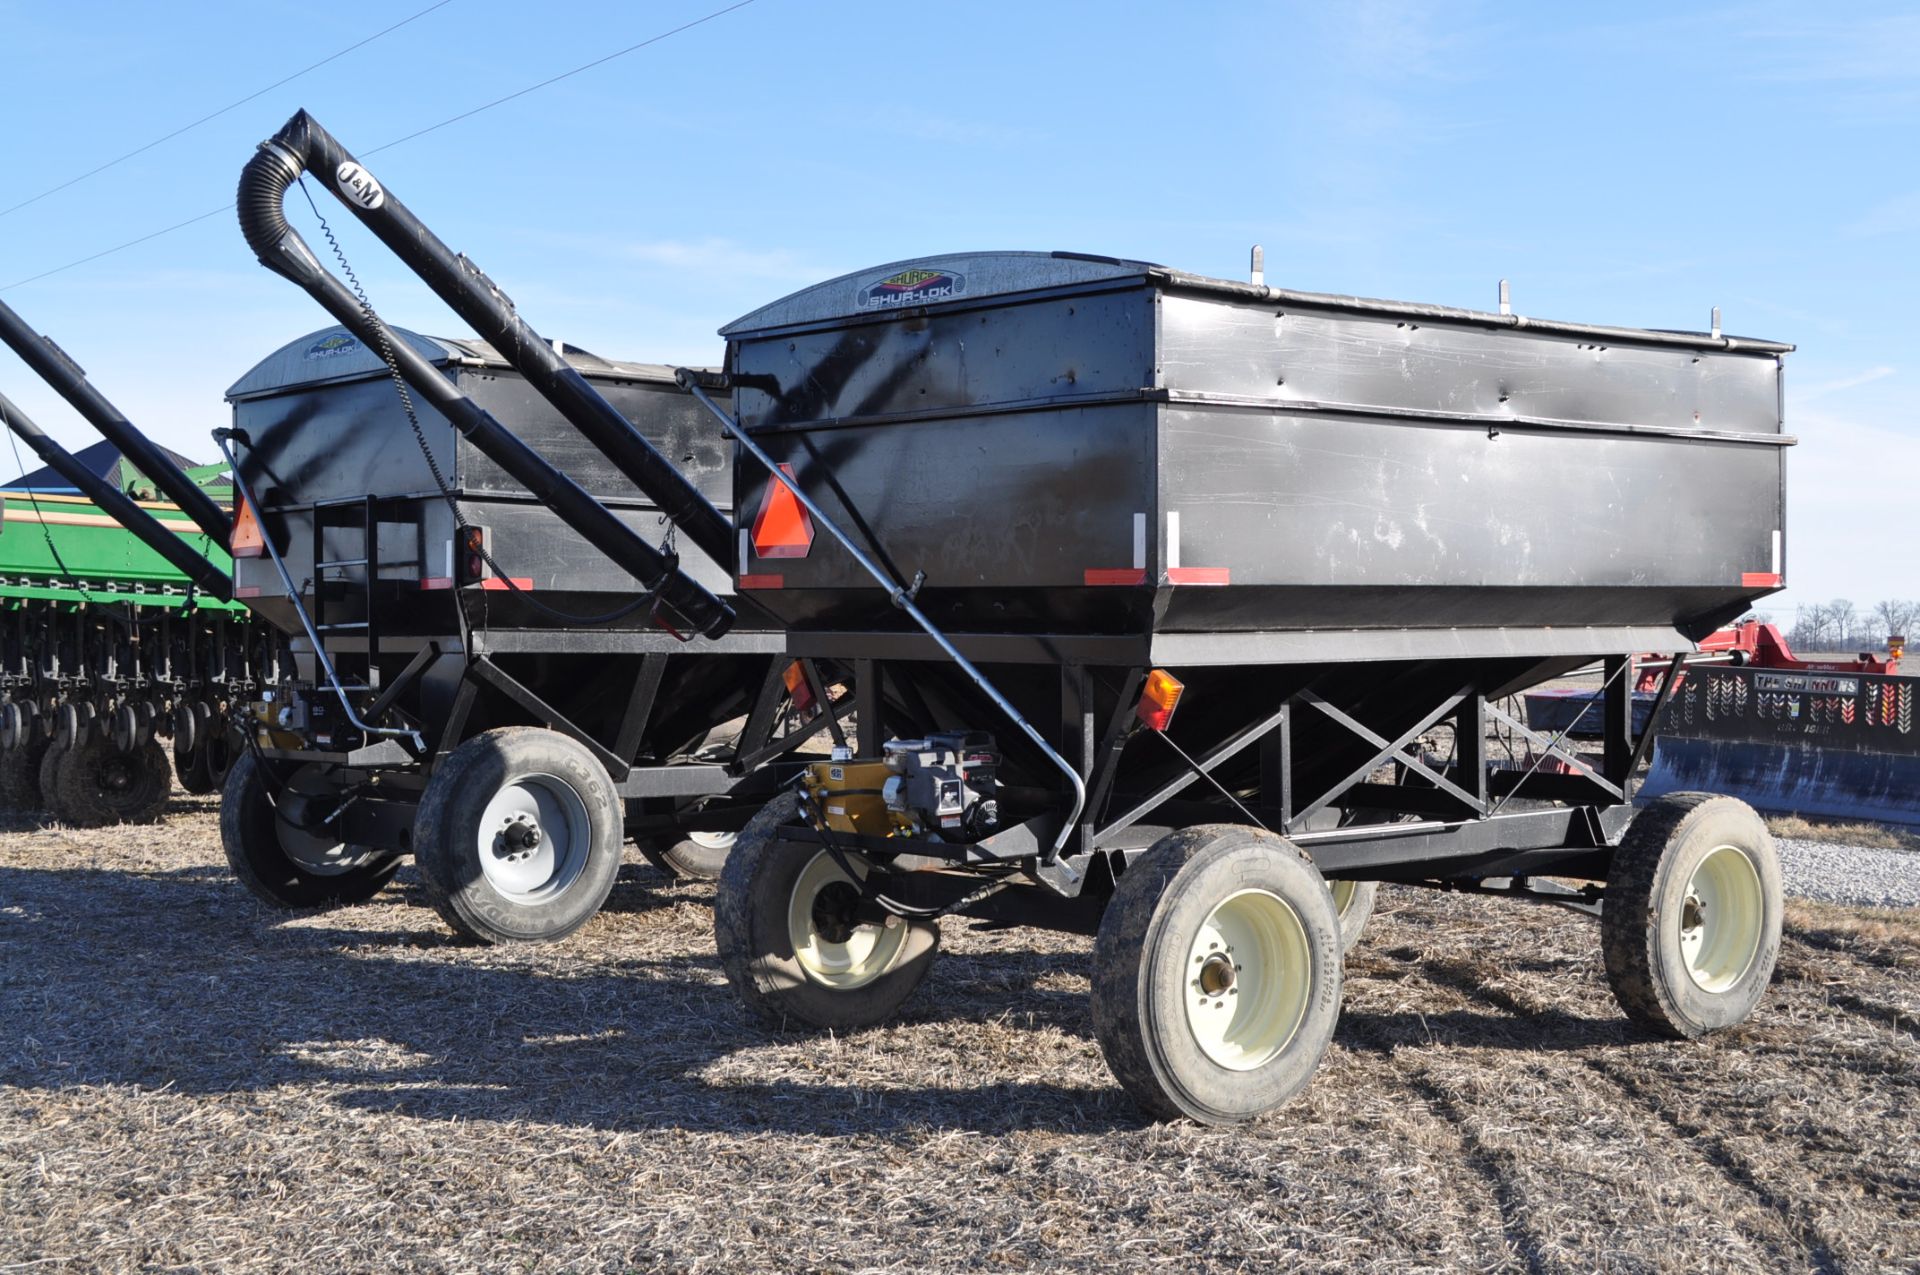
431,128
187,128
585,66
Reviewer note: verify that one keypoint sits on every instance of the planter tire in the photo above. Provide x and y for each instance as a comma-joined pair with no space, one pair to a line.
787,941
1691,923
190,767
1217,974
518,836
20,777
94,784
282,865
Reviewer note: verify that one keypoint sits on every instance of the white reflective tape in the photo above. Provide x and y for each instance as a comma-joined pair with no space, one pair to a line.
1173,539
1140,542
449,572
746,547
1776,551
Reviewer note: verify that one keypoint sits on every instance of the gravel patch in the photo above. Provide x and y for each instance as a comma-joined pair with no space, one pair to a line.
1857,875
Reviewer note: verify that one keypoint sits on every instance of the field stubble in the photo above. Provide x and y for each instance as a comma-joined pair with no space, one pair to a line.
189,1080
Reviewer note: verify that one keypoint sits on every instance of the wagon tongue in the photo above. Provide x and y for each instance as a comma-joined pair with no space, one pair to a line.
303,144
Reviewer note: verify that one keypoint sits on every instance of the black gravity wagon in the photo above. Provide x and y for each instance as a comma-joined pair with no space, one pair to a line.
1178,611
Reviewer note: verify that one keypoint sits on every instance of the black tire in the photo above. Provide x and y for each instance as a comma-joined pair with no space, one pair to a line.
20,777
221,748
529,888
1149,960
692,856
257,843
1354,911
1663,895
786,986
94,784
190,767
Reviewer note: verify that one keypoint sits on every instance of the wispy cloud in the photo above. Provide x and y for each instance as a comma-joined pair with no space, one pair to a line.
1846,382
1898,215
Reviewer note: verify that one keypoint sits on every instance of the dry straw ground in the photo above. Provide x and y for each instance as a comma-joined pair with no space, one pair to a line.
188,1081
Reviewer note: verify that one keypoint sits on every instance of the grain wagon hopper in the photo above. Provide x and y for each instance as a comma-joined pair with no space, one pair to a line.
1145,586
1169,569
477,544
118,621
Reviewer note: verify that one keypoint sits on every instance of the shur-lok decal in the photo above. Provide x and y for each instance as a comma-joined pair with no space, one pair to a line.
912,287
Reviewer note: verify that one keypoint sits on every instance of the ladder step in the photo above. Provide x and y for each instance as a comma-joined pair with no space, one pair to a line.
342,562
354,626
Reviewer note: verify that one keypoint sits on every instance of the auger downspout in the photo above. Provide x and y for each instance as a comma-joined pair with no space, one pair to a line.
475,298
263,187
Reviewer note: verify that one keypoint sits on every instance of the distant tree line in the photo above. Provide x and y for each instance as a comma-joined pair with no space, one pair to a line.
1839,625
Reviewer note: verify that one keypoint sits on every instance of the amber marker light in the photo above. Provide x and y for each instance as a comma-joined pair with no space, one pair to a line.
1158,698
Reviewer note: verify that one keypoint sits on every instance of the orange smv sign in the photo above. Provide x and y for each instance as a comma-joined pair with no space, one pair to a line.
783,528
248,541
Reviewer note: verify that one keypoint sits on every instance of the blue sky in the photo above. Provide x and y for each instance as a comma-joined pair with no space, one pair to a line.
1632,164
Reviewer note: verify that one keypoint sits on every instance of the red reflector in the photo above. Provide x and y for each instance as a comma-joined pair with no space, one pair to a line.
762,582
246,590
495,584
1760,580
1116,575
783,528
797,686
1198,575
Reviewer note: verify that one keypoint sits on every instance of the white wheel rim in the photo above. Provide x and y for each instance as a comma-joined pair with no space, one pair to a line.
713,840
1342,892
534,838
1248,980
838,955
1721,919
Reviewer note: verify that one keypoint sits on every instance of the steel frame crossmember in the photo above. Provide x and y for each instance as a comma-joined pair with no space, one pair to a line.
1394,750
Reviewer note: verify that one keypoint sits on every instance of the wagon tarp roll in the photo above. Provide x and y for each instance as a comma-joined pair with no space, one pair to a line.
1834,745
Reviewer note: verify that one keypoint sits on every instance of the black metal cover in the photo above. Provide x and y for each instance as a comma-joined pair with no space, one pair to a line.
326,425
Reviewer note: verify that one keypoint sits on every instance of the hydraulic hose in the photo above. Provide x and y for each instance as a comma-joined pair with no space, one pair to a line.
263,187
